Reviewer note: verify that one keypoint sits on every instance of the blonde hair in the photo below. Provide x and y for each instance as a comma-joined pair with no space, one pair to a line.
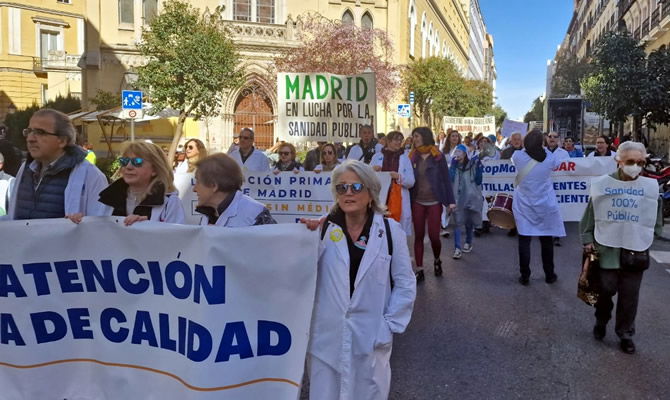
156,157
368,178
202,153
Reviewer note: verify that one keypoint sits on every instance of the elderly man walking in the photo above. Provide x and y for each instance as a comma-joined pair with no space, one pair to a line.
55,181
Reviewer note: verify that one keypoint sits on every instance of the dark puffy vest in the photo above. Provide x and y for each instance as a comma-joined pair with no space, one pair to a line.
45,198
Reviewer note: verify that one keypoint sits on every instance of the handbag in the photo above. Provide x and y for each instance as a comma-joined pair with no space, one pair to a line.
634,260
394,203
587,286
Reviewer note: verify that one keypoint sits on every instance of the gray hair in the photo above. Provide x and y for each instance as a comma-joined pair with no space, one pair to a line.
516,134
62,124
251,132
630,146
368,178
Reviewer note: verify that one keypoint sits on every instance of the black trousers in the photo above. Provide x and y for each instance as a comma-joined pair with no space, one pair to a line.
627,284
547,243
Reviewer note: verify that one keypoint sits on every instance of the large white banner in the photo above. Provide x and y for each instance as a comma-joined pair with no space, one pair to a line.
288,196
572,181
324,107
153,311
485,125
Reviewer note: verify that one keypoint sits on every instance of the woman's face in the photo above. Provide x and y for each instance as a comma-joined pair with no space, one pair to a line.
417,139
205,193
285,155
138,177
395,144
454,138
601,145
467,140
350,202
459,155
192,150
328,155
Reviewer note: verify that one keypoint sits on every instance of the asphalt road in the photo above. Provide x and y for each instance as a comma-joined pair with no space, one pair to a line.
476,333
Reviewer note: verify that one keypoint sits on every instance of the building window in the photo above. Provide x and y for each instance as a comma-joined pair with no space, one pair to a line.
366,21
63,1
348,18
48,43
149,10
126,12
44,93
412,27
242,10
265,11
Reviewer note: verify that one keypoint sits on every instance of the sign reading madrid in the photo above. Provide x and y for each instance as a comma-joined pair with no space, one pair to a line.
324,107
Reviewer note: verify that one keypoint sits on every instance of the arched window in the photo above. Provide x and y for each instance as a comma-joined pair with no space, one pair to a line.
412,27
366,21
348,18
430,39
424,34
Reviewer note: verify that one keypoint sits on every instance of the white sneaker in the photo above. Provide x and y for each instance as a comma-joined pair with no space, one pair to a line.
457,254
467,248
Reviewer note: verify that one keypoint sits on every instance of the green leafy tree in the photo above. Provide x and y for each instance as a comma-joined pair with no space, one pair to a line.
656,94
536,112
569,72
437,87
476,99
500,114
191,63
105,100
617,78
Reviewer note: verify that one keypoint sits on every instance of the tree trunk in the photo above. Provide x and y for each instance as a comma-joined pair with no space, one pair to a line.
179,131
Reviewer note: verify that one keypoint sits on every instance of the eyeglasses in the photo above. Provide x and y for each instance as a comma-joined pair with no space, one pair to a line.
640,163
329,152
38,132
342,188
284,153
136,161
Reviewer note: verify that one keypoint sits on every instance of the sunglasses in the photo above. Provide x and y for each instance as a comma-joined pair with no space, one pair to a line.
136,161
342,188
284,153
190,147
640,163
38,132
328,152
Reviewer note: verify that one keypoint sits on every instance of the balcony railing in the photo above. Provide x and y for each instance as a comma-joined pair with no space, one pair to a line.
636,34
655,17
57,61
645,27
665,9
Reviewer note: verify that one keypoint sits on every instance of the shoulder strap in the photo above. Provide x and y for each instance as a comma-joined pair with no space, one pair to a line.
389,239
324,228
525,171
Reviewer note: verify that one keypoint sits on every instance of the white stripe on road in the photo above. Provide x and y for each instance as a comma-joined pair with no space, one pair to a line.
662,257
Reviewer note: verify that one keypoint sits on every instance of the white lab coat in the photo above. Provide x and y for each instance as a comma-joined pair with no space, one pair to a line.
257,161
406,173
182,167
561,154
593,154
356,152
535,207
241,212
351,337
84,185
171,211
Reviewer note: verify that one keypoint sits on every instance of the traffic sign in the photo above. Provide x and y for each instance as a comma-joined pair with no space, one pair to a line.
131,100
411,97
404,110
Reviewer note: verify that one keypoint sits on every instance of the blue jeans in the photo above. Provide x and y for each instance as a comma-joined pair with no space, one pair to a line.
469,229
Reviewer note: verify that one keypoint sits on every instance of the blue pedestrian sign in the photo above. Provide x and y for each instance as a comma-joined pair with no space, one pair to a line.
411,97
131,100
404,110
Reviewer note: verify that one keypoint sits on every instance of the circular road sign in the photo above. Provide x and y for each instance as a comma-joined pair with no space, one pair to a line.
132,113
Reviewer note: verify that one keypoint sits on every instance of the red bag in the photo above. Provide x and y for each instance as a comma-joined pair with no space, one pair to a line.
394,202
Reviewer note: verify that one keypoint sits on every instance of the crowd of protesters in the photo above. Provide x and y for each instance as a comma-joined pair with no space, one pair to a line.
431,178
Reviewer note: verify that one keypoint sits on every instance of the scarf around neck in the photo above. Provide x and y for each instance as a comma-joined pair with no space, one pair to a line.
432,149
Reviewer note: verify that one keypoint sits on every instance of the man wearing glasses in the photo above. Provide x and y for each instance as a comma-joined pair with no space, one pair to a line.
55,181
247,156
552,145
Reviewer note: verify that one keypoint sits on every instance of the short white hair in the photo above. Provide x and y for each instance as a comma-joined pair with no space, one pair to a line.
630,146
516,134
368,178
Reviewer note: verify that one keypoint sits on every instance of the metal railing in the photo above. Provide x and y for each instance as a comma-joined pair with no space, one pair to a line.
645,27
636,34
655,17
56,62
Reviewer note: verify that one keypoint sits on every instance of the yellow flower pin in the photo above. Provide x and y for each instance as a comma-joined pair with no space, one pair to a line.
336,235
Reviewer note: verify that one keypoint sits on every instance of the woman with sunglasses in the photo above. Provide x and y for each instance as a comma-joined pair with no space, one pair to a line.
218,183
145,190
393,159
195,151
365,291
431,191
328,158
287,160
